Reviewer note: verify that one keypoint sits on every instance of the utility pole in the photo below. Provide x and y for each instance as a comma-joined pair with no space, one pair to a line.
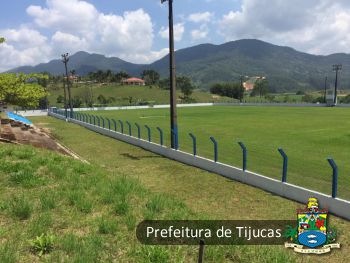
242,87
325,89
173,113
65,98
336,68
65,60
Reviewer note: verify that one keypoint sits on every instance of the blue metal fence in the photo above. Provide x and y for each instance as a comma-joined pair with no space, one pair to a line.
91,119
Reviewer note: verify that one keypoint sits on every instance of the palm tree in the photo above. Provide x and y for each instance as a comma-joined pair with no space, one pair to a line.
291,233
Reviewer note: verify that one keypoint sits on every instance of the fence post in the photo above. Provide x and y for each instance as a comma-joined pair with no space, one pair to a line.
201,251
84,117
138,130
285,165
149,132
176,138
109,123
90,119
215,148
121,126
98,121
335,176
93,116
194,140
160,135
103,122
129,125
244,151
115,124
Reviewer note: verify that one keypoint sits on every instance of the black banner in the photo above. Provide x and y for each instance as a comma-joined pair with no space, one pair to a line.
233,232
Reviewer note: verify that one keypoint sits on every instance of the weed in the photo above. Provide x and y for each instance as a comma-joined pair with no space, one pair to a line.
40,225
130,221
121,207
153,254
48,200
78,199
156,204
20,207
42,244
107,226
8,253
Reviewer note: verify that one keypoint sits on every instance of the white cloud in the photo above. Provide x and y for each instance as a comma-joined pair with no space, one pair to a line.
78,25
200,17
23,46
320,27
179,30
201,33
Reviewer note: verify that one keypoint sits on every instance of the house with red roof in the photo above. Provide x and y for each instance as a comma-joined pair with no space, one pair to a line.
133,82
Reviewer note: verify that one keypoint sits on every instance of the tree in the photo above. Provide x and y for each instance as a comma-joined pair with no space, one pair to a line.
88,97
60,99
307,98
77,102
102,99
21,89
231,90
261,88
2,40
121,75
185,85
151,77
164,84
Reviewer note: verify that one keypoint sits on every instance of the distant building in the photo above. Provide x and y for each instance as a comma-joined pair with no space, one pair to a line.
134,82
250,83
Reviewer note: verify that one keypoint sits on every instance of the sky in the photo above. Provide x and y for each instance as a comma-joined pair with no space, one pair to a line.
38,31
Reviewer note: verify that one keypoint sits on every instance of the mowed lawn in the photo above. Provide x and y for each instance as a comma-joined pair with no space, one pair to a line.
307,134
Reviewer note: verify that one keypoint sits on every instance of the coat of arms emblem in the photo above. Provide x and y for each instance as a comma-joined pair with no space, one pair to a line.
311,234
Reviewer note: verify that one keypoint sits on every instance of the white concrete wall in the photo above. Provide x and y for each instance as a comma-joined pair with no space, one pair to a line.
32,113
336,206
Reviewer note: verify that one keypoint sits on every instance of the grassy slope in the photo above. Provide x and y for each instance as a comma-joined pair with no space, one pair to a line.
122,93
308,136
204,193
91,212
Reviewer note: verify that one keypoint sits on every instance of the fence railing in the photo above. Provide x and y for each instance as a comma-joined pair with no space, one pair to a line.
280,187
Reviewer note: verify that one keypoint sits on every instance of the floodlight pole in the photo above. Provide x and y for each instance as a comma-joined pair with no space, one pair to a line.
65,60
173,113
325,89
336,68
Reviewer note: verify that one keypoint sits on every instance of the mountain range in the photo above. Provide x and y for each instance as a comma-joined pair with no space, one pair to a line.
286,68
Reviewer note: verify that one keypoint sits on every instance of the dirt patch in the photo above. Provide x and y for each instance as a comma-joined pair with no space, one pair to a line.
12,131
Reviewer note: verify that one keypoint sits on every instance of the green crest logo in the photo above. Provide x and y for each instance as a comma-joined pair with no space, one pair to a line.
311,235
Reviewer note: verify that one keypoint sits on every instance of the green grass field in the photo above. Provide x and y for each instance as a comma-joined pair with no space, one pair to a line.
308,136
204,195
154,95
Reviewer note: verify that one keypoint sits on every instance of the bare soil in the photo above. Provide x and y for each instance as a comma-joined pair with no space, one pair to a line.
15,132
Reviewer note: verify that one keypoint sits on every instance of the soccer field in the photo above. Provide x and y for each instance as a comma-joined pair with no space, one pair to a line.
307,134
